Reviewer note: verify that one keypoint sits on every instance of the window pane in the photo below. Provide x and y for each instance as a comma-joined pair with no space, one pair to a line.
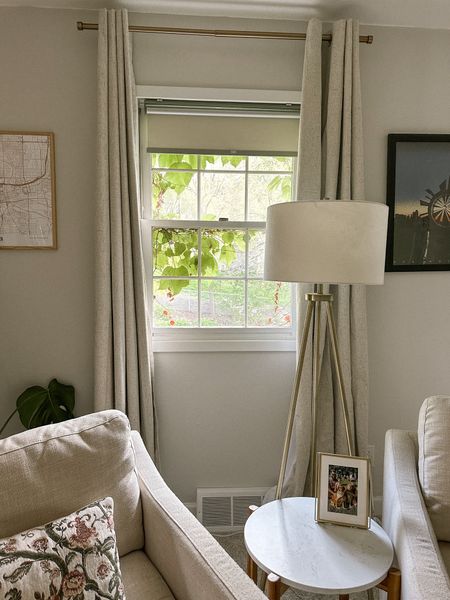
222,196
256,241
219,163
223,253
175,303
209,188
175,252
222,303
174,161
269,304
174,195
264,190
270,163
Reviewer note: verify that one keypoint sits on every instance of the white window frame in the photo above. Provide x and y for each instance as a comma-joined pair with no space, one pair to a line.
198,339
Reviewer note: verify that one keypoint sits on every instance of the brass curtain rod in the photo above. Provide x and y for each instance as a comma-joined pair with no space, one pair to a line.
228,33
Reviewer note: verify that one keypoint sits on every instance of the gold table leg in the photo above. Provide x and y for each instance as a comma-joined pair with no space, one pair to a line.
252,569
273,587
392,584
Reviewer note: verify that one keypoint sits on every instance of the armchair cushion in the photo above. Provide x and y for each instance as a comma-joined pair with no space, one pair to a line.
141,579
444,548
434,462
52,471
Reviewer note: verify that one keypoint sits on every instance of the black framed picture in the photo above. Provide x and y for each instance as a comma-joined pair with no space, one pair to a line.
418,196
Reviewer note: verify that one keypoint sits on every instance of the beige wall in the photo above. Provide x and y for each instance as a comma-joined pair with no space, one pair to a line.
221,415
218,62
48,83
405,90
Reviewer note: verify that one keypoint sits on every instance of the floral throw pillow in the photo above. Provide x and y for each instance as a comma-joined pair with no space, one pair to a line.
72,558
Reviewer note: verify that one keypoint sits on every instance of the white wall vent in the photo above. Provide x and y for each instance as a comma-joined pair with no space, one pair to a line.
226,509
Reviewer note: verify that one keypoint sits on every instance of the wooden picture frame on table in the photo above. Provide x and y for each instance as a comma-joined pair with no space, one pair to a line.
343,490
27,191
418,196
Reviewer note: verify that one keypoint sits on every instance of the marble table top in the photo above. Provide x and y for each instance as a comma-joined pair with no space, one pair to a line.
282,537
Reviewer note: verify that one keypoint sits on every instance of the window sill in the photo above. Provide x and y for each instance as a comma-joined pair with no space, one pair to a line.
172,344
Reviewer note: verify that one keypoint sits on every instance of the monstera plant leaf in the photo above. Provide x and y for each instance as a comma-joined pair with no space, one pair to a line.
41,406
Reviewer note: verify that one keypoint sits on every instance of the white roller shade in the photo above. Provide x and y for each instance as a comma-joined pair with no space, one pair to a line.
236,134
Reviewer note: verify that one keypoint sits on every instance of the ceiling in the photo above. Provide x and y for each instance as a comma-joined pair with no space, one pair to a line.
433,14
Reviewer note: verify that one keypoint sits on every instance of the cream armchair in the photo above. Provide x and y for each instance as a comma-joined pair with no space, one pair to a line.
165,553
416,501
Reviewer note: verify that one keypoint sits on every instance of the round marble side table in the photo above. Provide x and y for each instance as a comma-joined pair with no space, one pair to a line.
283,539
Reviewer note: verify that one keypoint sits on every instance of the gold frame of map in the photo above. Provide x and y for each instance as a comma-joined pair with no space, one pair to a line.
28,217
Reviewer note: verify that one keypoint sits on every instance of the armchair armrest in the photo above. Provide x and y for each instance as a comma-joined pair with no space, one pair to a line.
406,520
191,561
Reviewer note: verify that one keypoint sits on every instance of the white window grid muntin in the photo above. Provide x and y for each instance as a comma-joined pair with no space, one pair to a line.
214,225
234,172
147,168
281,333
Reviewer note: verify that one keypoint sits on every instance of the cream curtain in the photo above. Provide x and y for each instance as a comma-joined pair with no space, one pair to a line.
122,352
331,166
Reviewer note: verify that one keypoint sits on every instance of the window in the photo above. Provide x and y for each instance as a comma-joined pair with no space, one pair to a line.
204,225
208,240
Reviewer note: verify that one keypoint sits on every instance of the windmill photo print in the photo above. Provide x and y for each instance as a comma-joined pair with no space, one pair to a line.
418,195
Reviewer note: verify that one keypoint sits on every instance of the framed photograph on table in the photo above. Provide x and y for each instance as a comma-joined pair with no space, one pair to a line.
418,196
343,490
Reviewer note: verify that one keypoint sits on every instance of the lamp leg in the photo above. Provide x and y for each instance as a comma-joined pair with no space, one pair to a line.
294,396
337,362
316,380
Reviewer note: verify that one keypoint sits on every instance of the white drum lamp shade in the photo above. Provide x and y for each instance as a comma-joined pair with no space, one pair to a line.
326,241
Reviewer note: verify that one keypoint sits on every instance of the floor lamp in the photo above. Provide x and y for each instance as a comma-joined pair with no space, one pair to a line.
323,242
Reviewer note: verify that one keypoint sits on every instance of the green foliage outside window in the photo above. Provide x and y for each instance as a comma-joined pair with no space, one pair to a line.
176,250
175,254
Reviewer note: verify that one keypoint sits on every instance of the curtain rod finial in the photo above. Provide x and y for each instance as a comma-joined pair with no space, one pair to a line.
370,39
80,25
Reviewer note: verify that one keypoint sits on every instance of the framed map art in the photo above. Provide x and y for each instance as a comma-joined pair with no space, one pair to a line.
27,190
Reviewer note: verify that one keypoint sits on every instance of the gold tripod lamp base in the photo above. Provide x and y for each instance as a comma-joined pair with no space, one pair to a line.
326,242
315,301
